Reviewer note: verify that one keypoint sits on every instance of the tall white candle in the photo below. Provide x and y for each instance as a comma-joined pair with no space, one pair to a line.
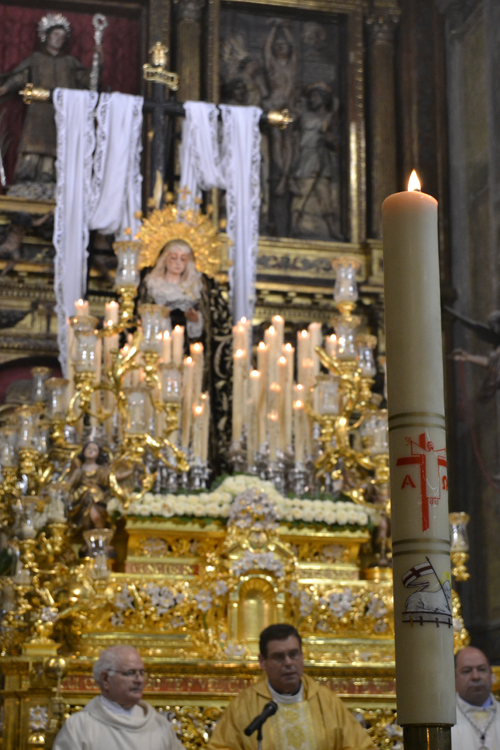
419,494
198,430
196,351
187,400
166,348
239,359
303,343
288,352
205,402
81,308
271,339
315,340
178,345
299,429
256,387
278,324
272,429
111,311
331,345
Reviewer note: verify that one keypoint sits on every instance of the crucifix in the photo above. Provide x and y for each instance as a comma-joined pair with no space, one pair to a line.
161,108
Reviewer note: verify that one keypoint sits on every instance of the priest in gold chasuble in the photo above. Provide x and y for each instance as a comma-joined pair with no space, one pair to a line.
309,716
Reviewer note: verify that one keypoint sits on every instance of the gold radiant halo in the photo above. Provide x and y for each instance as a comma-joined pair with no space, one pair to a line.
168,223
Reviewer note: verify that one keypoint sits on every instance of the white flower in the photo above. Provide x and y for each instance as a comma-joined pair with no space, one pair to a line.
362,518
341,517
203,600
235,650
340,602
38,718
124,600
162,599
49,614
179,597
323,626
376,608
308,515
294,589
117,619
306,604
220,588
393,730
177,622
380,626
258,561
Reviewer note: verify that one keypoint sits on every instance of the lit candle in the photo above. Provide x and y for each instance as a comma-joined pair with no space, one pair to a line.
166,348
285,433
272,429
271,339
299,429
187,400
288,352
196,351
315,340
178,345
81,308
419,495
303,347
239,360
239,335
70,363
205,402
111,311
279,326
198,430
331,345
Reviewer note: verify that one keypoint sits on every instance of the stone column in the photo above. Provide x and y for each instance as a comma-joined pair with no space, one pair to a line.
381,132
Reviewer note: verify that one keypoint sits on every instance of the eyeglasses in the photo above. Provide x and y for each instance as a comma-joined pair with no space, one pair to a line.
130,673
280,658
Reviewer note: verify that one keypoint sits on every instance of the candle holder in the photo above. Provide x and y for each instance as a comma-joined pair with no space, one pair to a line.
299,479
237,457
198,475
345,291
38,385
276,473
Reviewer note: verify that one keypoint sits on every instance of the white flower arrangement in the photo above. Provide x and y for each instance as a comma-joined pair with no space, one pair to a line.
376,608
203,600
123,599
218,504
252,508
258,561
38,718
339,602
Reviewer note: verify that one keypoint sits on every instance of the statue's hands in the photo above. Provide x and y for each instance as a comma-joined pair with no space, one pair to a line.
460,355
192,315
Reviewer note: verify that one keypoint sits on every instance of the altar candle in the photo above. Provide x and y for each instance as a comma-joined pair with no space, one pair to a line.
270,338
178,345
288,352
239,336
196,351
239,359
166,348
272,429
303,343
299,429
205,402
187,400
331,345
70,365
315,340
278,324
285,404
259,404
81,308
420,526
111,311
198,430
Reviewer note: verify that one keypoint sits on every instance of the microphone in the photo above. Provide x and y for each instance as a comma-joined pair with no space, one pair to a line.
268,710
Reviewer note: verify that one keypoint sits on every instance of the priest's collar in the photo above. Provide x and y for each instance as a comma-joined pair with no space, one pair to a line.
277,697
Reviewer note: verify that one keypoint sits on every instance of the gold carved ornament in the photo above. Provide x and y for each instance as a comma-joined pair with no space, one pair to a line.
196,229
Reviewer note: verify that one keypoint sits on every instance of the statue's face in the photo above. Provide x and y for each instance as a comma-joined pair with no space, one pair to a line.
282,49
177,260
91,451
56,39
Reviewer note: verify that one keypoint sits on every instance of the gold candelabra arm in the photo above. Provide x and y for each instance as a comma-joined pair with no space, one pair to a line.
459,569
327,361
32,94
279,118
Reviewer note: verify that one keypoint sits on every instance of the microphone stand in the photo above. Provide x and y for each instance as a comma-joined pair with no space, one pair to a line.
259,737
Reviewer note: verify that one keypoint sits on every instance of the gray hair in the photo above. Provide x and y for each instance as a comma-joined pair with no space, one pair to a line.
109,659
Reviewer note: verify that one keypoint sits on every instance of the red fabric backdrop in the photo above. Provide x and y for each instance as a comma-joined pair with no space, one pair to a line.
18,39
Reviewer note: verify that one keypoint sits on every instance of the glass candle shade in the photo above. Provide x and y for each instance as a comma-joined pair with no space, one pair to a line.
27,528
27,434
38,384
8,440
137,421
458,532
151,322
171,384
328,395
374,431
345,328
98,542
86,351
127,272
346,287
366,361
56,389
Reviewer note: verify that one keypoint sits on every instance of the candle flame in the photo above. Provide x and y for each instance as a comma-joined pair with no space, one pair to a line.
198,410
262,346
275,387
288,348
414,182
255,374
198,347
188,361
109,323
278,318
178,329
299,387
282,361
271,330
240,353
166,335
333,338
298,404
304,334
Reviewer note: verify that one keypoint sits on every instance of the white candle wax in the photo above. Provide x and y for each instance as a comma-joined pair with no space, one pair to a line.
271,338
315,340
272,429
111,311
178,345
196,351
239,359
198,430
187,402
331,345
166,348
303,344
81,308
419,496
278,324
299,430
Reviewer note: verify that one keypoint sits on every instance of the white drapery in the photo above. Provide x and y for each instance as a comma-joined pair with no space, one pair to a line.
75,144
95,190
232,165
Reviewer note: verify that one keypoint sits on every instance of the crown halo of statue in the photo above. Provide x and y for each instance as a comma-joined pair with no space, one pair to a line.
50,21
198,230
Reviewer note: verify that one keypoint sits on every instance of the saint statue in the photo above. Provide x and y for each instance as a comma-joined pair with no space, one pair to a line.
88,489
49,68
175,283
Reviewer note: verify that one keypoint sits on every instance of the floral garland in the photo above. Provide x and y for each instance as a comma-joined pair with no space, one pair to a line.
217,504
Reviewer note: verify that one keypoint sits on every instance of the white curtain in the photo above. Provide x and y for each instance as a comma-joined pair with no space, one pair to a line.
95,190
116,182
232,165
75,144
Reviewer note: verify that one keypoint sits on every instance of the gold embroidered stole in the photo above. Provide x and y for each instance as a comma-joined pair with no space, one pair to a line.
293,727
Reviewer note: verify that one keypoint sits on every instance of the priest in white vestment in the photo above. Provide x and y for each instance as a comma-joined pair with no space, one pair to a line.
478,713
118,719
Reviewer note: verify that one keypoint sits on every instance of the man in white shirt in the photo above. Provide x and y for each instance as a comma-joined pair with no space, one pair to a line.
478,713
118,719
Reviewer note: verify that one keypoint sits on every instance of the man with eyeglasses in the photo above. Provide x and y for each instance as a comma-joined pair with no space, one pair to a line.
118,719
309,716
